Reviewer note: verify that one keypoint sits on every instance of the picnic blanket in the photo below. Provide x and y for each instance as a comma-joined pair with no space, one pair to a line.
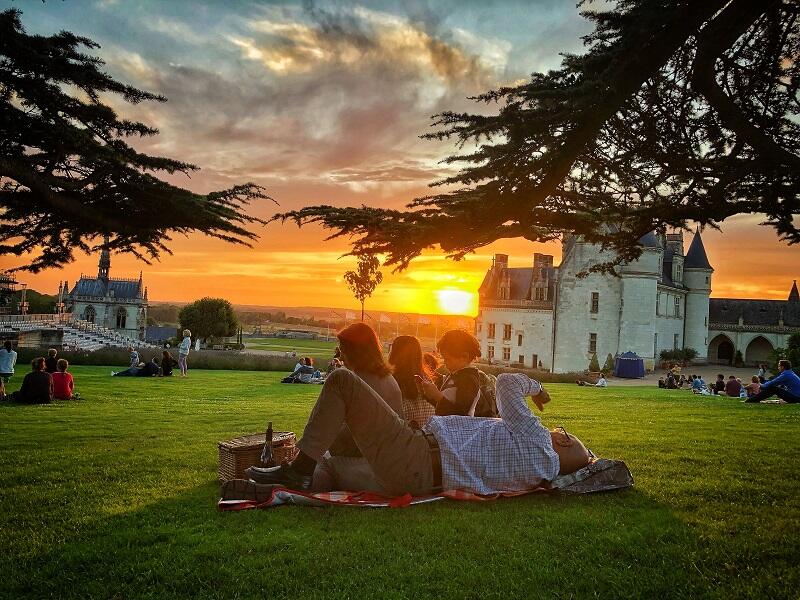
599,476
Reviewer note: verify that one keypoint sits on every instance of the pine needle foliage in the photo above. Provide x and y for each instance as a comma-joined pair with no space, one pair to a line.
68,175
677,112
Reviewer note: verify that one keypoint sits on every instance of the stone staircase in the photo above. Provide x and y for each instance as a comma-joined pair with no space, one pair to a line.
76,333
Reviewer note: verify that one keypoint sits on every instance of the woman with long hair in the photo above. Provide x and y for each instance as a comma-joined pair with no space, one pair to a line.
362,354
410,370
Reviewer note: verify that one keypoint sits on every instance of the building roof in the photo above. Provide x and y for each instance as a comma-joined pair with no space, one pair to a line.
127,289
794,295
762,313
696,257
520,279
649,240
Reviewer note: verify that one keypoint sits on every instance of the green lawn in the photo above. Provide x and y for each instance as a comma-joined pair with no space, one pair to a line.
319,350
115,496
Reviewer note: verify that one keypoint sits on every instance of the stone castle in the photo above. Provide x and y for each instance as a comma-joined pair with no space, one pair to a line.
551,317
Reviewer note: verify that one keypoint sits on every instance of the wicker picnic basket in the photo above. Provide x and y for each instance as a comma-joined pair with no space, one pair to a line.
238,454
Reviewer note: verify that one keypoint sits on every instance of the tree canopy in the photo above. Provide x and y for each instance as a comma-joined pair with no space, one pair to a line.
209,317
677,112
67,174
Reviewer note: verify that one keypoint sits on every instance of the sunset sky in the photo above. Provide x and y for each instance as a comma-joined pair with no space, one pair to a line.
324,103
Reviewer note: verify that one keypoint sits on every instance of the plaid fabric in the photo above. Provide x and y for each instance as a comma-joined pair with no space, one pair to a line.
418,410
490,456
601,475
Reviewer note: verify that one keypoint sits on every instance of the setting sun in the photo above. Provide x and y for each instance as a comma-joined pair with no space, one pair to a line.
456,302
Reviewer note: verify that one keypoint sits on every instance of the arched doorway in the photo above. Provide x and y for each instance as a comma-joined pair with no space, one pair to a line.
758,351
122,317
721,350
89,314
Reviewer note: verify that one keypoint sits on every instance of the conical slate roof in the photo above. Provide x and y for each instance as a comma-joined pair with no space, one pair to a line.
794,295
649,240
696,257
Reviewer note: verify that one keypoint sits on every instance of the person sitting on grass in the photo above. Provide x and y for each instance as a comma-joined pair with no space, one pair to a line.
8,360
168,362
37,386
460,391
409,370
601,381
63,383
303,372
479,455
733,387
148,369
133,359
785,385
50,363
719,384
754,387
344,467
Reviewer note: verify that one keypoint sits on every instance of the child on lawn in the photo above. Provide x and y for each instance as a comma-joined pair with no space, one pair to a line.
63,383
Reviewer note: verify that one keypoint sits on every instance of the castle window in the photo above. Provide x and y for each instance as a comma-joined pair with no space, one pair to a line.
122,317
677,306
593,343
595,302
658,303
490,332
507,332
708,280
535,361
506,353
675,341
89,314
540,294
490,352
519,341
521,359
680,273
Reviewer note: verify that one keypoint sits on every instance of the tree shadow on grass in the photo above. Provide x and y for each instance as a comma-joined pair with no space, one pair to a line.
614,544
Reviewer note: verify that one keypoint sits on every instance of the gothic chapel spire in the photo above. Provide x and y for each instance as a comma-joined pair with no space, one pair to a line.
104,266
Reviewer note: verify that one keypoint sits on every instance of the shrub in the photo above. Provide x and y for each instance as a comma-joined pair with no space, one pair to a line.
608,367
543,376
594,365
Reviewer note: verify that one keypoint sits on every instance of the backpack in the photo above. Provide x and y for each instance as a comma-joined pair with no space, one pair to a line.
487,403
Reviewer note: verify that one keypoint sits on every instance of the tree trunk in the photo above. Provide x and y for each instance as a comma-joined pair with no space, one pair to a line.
362,311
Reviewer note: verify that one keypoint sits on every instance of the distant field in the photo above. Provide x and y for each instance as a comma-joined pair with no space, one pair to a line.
115,496
318,349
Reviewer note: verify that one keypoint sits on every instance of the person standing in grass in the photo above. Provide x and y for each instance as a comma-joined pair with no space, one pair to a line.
8,360
183,352
63,383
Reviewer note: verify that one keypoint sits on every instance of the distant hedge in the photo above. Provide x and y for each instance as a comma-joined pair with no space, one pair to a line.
543,376
204,359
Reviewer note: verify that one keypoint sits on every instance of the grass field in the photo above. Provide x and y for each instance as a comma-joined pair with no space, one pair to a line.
115,496
319,350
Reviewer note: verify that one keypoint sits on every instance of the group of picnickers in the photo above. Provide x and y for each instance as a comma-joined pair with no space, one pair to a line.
403,424
785,384
156,367
48,379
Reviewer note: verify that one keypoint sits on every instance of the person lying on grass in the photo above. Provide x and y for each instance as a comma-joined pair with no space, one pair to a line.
475,454
601,381
148,369
785,385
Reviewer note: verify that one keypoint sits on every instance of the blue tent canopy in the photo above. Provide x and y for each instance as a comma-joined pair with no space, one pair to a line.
629,366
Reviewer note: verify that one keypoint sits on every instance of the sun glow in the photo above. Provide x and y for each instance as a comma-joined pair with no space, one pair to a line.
456,302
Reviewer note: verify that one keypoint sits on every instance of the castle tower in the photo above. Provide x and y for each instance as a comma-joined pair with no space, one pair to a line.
794,295
697,279
638,289
104,266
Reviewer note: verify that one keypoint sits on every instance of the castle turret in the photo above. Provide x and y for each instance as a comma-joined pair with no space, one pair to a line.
104,266
697,279
794,295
